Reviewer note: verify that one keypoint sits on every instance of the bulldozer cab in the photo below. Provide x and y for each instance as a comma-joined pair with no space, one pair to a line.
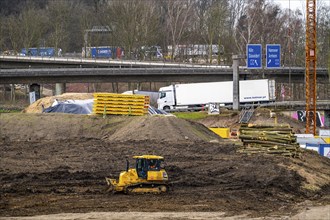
147,163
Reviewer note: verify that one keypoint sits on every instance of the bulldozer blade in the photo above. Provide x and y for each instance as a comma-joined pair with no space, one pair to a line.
110,189
111,184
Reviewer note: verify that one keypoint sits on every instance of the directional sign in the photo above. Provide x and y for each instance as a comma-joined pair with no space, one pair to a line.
273,56
254,56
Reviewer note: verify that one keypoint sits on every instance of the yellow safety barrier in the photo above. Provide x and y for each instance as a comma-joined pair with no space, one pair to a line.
120,104
326,139
222,132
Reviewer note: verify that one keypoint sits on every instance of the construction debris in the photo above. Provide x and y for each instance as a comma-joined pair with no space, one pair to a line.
269,139
120,104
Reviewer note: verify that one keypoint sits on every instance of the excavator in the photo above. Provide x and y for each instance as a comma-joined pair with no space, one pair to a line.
148,176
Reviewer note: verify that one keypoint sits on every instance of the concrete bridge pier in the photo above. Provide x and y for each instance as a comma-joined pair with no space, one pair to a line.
59,88
236,58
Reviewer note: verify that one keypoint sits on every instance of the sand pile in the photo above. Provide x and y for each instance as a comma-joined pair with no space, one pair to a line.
36,107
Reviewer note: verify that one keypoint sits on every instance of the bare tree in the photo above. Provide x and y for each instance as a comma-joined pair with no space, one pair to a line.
236,13
323,35
294,50
215,23
59,14
126,16
148,24
236,10
247,25
86,21
264,23
13,32
179,15
135,23
32,26
2,33
201,9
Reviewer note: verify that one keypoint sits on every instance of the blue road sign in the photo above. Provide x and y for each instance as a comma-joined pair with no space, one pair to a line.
273,56
254,56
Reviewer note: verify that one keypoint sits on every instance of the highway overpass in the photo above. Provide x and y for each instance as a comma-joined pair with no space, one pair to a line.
182,74
20,69
17,62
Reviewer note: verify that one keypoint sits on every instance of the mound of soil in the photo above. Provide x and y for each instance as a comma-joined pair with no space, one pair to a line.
260,116
162,128
55,126
55,163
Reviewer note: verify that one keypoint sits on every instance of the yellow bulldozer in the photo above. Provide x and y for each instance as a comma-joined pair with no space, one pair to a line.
148,176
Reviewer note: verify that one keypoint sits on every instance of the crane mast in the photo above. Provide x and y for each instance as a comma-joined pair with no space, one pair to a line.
310,76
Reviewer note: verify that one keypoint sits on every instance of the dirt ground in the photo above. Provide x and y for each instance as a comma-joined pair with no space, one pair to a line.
56,163
309,213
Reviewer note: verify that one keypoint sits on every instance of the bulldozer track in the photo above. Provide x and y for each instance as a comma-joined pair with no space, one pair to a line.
148,186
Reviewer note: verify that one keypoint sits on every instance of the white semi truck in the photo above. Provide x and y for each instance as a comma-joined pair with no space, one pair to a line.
185,96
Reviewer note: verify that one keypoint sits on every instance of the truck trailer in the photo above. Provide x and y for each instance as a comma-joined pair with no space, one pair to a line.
185,96
106,52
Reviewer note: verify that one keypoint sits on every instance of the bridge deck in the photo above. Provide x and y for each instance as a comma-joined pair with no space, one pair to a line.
107,70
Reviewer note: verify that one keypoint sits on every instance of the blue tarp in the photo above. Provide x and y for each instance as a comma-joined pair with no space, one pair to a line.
71,107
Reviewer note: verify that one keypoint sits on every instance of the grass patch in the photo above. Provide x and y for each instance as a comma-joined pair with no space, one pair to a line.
10,110
191,115
201,115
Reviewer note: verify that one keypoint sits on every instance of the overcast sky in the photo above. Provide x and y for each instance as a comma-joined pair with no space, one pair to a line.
293,4
297,4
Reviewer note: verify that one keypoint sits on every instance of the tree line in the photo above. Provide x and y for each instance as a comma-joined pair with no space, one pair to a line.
230,24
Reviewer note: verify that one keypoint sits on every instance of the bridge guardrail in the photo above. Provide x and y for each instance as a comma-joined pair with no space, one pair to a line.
131,63
111,61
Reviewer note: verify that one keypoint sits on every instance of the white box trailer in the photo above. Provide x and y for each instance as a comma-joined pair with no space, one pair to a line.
197,94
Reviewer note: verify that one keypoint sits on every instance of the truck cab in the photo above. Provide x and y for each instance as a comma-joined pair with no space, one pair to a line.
166,100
